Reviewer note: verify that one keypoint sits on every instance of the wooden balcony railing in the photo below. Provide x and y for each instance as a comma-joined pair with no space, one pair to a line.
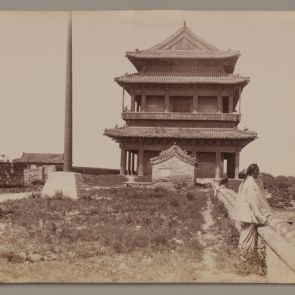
127,115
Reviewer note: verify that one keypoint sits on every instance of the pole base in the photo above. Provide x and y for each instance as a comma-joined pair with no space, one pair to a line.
61,183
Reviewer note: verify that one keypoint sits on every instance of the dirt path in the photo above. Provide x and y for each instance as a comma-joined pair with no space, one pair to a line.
211,246
14,196
208,239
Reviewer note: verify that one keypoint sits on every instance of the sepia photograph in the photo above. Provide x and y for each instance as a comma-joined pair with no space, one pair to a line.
147,146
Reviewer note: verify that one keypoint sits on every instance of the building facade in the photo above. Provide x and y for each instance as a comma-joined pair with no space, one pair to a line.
184,92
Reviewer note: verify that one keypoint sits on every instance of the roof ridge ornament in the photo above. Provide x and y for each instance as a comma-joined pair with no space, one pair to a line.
184,23
175,150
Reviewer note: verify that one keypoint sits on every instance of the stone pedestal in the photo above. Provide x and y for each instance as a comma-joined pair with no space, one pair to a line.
61,183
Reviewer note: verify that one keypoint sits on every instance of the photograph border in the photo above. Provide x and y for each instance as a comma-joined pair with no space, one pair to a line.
164,289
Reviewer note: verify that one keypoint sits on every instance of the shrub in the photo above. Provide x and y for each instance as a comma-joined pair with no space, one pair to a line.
174,202
190,196
37,182
13,257
280,189
159,238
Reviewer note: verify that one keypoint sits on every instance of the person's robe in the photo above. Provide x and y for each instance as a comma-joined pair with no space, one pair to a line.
251,205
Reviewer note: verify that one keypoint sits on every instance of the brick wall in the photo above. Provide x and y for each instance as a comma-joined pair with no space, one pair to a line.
172,168
207,104
197,66
155,103
207,164
34,175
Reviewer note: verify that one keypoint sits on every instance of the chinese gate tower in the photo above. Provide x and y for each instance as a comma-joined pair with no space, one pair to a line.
184,92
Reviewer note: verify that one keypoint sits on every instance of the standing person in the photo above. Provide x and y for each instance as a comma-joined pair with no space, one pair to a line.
252,210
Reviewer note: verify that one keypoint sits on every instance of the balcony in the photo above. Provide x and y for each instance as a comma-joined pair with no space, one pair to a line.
231,117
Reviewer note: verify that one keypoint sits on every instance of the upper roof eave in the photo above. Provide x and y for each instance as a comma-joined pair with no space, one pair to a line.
181,54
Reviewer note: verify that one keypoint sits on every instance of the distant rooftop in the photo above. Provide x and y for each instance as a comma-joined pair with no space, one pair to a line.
40,158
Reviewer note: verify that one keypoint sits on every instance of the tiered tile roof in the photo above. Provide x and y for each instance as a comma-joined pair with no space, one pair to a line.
185,133
174,150
166,78
183,44
201,54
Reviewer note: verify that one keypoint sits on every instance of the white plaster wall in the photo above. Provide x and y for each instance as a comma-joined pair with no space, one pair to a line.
176,168
277,270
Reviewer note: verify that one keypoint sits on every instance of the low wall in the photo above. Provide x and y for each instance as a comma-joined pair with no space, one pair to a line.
33,175
10,177
95,171
39,174
279,238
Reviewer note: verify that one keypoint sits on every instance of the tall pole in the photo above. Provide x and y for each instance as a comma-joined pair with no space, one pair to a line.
240,100
68,144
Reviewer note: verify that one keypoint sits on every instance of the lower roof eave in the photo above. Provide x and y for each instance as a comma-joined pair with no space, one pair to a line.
202,135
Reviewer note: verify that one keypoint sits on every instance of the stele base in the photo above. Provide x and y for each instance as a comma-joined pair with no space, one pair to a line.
63,183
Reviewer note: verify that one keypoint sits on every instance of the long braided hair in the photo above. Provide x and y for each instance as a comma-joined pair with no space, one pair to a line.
250,171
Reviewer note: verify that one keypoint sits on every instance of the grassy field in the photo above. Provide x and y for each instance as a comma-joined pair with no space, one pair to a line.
21,189
114,233
109,235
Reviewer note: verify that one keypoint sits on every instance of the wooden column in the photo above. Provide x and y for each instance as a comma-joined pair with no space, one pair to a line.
195,154
218,165
222,165
143,103
68,141
132,102
123,99
237,163
129,162
195,102
123,162
132,163
135,163
231,104
167,102
219,103
140,159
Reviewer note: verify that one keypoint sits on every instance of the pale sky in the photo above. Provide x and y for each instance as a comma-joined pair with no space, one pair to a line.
32,75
